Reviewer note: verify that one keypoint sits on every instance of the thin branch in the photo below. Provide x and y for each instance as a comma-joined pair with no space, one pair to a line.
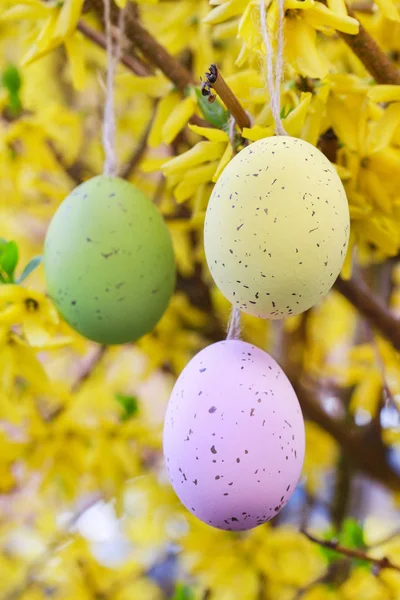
363,6
342,491
150,48
87,367
128,169
371,55
372,308
133,63
130,61
366,454
364,450
78,172
215,81
381,563
155,53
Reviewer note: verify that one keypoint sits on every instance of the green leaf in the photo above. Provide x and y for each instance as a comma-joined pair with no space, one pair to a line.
351,534
182,592
213,112
285,111
130,405
30,267
9,260
11,79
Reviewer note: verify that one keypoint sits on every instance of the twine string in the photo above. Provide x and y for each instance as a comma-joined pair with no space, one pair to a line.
234,326
114,51
274,79
274,71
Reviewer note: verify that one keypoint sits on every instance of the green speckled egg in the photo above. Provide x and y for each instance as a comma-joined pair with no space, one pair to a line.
109,261
277,228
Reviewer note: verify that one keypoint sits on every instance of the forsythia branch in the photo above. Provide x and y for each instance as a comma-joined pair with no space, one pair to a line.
128,169
78,172
131,62
87,367
215,80
151,49
371,307
381,563
366,454
372,57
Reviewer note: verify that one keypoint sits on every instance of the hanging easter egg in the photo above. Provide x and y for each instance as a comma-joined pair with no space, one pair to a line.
233,436
109,261
277,228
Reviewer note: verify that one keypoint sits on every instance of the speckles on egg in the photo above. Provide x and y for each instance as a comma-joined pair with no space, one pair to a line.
109,261
245,455
269,261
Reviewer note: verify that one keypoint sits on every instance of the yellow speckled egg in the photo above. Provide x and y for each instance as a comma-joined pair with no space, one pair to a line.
277,228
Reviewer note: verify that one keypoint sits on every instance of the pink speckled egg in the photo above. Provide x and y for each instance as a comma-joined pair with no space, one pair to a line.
233,436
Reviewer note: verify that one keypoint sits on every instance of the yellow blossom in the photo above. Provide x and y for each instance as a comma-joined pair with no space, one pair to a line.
35,313
303,19
363,584
287,557
52,25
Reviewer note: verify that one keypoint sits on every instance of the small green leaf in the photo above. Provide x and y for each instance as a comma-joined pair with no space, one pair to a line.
213,112
182,592
285,111
11,79
129,404
9,260
30,267
351,534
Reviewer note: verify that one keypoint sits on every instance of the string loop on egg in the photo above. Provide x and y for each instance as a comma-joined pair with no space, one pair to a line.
113,57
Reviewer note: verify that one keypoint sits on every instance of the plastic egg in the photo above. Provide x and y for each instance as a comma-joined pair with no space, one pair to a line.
277,228
109,261
233,436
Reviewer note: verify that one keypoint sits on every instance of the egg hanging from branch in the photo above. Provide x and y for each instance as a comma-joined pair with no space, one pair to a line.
277,228
109,261
233,436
